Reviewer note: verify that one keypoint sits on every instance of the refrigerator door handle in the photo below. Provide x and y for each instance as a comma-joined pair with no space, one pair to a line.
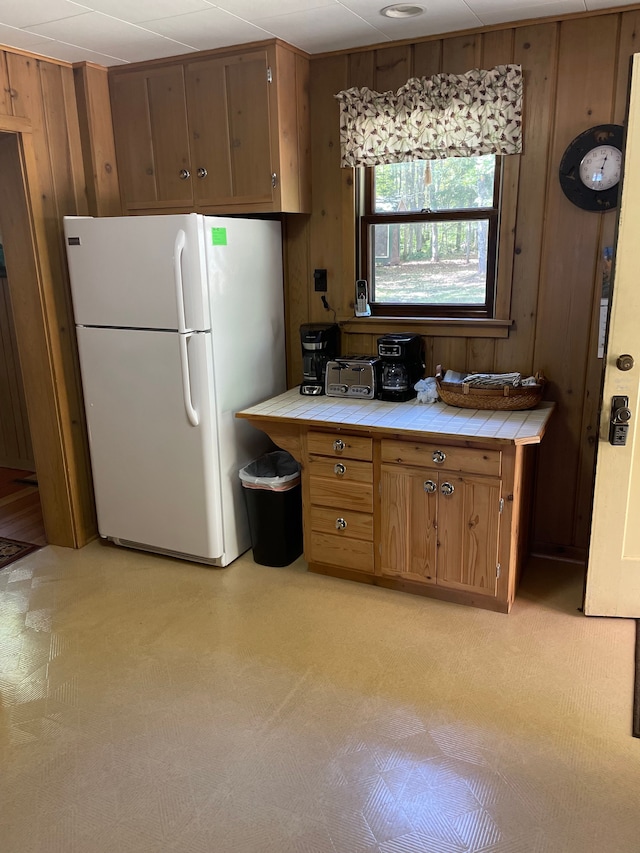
192,414
178,249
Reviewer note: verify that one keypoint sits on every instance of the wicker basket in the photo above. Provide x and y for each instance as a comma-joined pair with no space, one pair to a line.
508,398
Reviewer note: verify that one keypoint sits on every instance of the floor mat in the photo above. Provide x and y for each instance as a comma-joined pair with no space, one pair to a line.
12,550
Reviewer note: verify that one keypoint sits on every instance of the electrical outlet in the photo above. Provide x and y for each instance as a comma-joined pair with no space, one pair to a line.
320,280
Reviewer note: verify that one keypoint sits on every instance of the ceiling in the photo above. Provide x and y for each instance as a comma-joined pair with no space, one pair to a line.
113,32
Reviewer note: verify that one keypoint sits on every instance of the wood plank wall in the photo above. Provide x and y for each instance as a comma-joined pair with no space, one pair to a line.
41,93
15,438
576,74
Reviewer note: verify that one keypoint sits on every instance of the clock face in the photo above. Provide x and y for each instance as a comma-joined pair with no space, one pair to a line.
591,168
600,168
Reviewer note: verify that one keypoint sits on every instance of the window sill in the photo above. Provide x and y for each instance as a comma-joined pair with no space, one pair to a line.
449,327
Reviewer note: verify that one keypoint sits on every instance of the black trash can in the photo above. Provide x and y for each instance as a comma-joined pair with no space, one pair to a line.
273,494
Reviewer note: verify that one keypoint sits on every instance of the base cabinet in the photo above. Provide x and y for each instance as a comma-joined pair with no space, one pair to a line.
445,517
435,518
440,528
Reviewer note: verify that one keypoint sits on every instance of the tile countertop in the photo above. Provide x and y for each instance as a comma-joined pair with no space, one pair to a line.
423,419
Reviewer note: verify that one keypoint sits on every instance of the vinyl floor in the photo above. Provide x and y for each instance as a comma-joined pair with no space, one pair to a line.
151,706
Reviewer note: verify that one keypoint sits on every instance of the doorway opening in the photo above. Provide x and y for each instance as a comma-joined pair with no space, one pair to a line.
20,508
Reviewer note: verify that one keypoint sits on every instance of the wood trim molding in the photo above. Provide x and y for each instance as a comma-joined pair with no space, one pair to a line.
15,124
448,327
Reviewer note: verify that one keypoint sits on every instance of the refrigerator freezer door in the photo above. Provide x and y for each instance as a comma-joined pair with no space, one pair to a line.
141,272
156,477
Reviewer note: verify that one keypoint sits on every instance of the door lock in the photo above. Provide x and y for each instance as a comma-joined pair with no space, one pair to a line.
619,421
624,362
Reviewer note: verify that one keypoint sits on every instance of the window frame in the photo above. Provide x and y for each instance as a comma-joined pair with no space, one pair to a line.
365,218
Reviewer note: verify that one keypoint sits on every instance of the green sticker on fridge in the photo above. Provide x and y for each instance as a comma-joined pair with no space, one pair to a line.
219,236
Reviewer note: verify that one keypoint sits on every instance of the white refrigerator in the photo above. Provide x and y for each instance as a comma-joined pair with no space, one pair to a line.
180,324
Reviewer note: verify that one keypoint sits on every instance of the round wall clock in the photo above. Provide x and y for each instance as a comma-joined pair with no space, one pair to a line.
591,166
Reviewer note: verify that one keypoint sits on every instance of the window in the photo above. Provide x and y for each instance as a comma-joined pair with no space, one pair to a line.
429,235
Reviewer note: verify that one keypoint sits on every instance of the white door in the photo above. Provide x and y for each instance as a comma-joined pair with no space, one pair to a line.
141,272
155,471
613,571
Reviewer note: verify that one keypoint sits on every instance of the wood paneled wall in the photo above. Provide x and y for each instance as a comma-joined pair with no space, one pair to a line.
576,74
38,108
15,438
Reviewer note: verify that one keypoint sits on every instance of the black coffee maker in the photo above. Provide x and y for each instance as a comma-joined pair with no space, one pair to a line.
320,344
402,366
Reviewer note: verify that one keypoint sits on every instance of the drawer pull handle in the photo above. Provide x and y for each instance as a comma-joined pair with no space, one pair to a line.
340,523
439,456
447,489
339,445
339,469
429,486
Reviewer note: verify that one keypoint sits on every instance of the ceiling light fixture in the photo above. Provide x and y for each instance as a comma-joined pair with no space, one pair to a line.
401,10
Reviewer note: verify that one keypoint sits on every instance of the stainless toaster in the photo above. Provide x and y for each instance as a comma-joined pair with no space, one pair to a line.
353,376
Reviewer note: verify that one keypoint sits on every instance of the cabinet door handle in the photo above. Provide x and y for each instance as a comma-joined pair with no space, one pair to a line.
439,456
447,489
429,486
202,172
184,174
274,180
339,445
339,469
340,523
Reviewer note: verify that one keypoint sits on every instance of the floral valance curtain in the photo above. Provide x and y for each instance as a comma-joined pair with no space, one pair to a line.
447,115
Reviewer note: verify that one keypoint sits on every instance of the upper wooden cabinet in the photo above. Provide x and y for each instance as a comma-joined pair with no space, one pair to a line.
216,132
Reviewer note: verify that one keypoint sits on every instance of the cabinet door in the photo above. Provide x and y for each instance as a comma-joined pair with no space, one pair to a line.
408,529
468,531
134,146
152,142
167,110
229,122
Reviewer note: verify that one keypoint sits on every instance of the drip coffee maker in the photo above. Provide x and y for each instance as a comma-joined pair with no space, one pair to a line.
320,344
402,366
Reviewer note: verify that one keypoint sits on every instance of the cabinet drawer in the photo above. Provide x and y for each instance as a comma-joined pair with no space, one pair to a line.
455,458
340,445
343,471
330,520
338,551
342,494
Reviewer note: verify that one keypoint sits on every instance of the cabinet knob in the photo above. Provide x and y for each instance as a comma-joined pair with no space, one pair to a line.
447,489
340,523
339,469
429,486
184,174
439,456
339,445
202,172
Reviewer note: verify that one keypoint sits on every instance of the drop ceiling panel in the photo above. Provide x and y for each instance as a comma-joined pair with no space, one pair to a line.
207,29
440,16
333,28
492,11
135,11
24,13
22,38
